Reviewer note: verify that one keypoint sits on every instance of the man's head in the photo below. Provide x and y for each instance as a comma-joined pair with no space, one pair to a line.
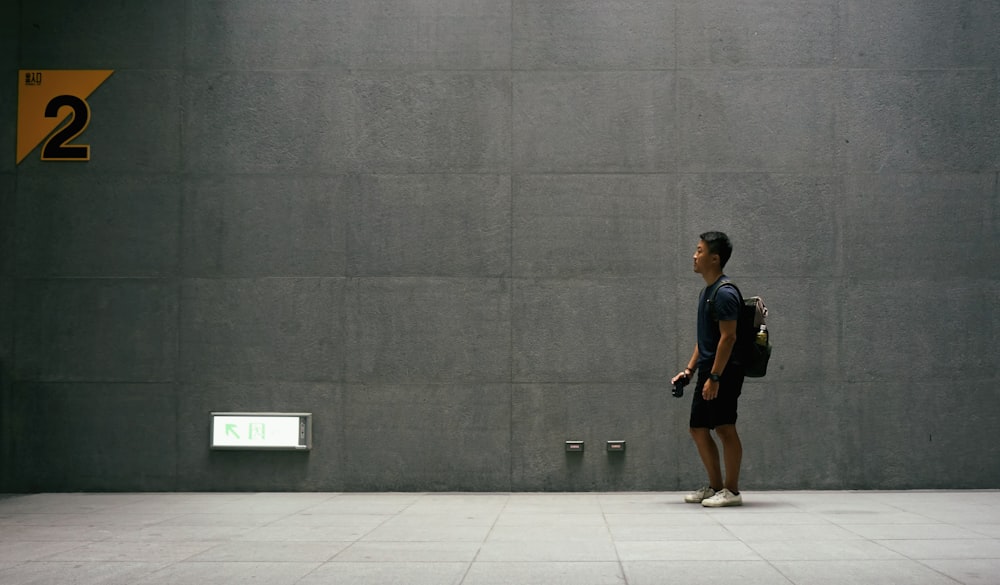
717,243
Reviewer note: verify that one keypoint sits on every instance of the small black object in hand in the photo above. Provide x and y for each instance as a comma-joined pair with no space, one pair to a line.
679,386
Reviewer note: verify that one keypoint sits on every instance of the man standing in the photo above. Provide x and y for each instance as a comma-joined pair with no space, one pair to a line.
719,381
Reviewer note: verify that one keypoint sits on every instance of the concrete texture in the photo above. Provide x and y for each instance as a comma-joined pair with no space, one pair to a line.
98,426
404,330
459,233
757,121
451,225
786,538
346,122
629,123
136,216
932,35
63,34
270,329
95,330
585,35
240,226
762,33
576,226
921,121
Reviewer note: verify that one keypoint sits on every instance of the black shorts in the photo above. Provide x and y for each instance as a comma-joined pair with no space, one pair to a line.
708,414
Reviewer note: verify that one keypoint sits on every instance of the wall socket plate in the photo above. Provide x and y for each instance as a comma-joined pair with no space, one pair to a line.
616,446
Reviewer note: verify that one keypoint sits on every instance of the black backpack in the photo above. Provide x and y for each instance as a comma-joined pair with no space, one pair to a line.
750,352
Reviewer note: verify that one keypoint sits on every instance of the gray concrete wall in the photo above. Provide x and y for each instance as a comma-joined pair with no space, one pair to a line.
459,233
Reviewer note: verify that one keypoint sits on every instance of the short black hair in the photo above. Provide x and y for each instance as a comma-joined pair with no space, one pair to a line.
718,243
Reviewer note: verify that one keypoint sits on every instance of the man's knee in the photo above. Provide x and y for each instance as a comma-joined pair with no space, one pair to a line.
727,432
698,432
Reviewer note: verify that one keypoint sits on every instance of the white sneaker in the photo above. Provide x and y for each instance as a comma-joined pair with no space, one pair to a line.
699,496
723,499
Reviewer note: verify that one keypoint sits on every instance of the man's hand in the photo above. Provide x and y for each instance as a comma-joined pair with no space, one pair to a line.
679,376
710,390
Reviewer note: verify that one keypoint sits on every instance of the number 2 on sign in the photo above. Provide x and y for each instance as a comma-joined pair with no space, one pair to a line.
57,147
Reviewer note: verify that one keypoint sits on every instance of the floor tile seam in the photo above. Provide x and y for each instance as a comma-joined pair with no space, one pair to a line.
47,557
930,519
547,562
421,539
309,573
668,541
161,563
424,511
684,539
780,572
55,540
197,551
819,523
894,555
778,541
933,539
614,541
824,524
899,507
194,563
416,498
486,538
553,535
943,574
362,537
950,559
937,524
754,550
888,562
333,557
400,562
855,531
717,562
330,497
217,545
741,524
884,522
859,529
940,541
549,526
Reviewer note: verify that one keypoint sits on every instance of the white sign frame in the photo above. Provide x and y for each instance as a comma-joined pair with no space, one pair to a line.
267,431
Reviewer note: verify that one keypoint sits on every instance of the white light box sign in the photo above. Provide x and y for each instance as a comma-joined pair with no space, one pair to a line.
262,430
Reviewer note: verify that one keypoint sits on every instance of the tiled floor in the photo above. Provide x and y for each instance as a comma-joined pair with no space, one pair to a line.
800,538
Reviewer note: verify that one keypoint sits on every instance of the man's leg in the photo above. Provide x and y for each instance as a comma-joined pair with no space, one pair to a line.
709,453
732,453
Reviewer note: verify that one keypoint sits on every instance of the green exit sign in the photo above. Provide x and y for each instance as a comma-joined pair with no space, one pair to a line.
262,430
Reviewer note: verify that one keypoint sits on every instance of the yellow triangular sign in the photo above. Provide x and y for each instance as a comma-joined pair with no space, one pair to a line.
36,89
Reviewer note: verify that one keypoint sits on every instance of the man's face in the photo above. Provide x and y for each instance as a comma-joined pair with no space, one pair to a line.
703,259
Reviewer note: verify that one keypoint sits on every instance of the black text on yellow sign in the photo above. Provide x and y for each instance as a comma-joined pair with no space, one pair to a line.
48,99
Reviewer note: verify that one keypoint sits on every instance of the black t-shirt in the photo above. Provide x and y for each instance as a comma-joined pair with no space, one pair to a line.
727,308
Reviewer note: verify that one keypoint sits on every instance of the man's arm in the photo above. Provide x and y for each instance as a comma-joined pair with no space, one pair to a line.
727,329
693,362
692,366
727,340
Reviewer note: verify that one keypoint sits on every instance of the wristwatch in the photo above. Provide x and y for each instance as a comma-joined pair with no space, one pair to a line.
713,377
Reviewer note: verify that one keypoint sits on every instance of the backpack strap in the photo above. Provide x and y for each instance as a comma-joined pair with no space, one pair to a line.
715,291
